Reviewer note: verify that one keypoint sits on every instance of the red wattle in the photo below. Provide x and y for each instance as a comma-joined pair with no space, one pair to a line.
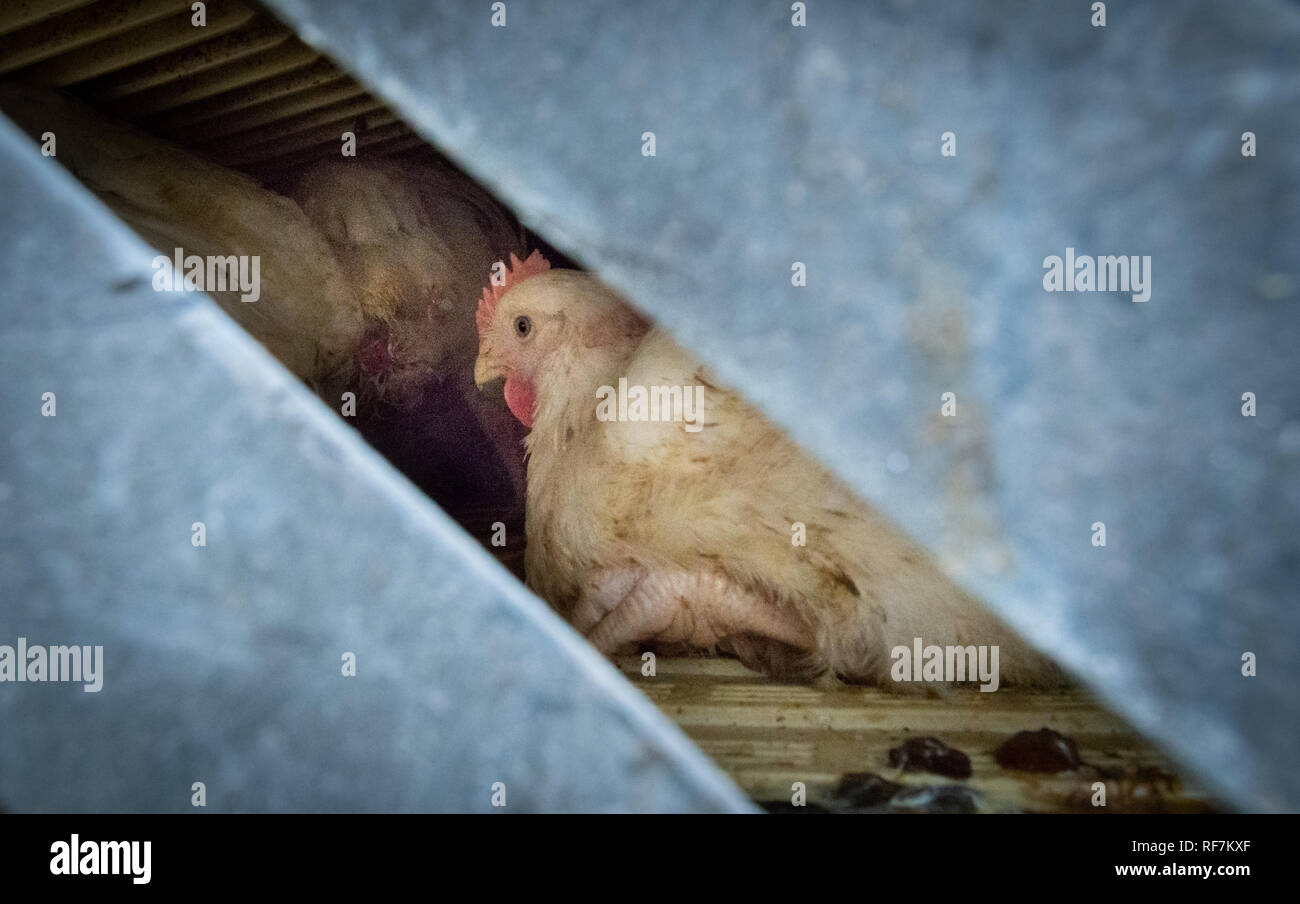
521,399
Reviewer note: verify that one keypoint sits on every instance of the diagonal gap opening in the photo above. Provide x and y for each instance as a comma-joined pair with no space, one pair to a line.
258,118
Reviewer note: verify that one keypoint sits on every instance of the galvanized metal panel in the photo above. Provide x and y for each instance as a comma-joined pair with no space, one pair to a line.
222,664
821,144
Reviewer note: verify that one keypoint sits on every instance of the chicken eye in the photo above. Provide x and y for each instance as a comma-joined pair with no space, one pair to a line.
523,326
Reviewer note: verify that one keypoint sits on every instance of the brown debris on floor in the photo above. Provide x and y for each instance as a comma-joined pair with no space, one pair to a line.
837,738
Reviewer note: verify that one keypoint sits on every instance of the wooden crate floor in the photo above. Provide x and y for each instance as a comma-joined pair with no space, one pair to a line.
767,735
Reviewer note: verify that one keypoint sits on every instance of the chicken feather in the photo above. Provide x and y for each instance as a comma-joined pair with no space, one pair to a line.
646,532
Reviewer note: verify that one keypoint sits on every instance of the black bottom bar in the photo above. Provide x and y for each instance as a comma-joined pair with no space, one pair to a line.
335,853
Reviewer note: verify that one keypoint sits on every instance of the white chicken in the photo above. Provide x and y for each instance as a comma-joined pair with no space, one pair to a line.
306,314
368,280
416,242
672,532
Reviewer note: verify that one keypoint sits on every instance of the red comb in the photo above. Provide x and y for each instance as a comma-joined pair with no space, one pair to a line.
516,272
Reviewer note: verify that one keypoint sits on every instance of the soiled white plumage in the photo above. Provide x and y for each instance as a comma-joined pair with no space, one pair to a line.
306,315
416,241
368,277
646,532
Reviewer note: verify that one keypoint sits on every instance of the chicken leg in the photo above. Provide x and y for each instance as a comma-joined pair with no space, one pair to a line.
636,603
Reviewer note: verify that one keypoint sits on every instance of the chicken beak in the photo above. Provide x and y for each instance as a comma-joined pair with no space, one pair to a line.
486,370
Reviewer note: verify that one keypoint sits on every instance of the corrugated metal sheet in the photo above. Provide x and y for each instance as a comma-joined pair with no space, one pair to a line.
242,89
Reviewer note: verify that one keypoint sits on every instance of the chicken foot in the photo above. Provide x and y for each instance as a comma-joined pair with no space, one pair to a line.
634,603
